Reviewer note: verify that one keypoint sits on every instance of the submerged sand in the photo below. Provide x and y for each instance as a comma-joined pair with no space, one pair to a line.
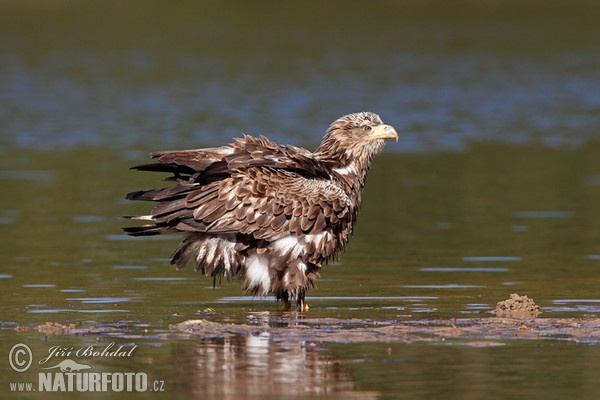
517,320
488,330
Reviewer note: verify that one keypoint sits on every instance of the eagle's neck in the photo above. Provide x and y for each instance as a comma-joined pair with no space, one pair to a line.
351,177
348,162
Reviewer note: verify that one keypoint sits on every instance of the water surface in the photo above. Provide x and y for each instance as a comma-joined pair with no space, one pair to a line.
493,188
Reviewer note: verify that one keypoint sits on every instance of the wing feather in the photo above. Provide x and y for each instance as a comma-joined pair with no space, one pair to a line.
303,205
253,187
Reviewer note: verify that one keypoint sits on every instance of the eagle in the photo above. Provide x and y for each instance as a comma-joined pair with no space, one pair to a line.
271,214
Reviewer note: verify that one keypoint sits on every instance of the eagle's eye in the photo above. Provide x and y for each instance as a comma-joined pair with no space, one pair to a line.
367,128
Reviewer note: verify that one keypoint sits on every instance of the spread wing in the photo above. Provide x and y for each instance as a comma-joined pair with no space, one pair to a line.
253,187
266,203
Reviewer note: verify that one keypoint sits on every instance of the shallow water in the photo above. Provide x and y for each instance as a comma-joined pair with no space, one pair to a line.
494,188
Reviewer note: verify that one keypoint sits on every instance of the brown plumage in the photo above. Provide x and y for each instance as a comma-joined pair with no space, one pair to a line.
270,213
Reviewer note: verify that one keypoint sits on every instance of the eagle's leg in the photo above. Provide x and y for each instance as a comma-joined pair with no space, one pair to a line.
301,305
286,301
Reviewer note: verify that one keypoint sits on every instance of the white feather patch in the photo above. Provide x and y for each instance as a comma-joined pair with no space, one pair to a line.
257,273
286,244
143,218
215,250
345,170
292,245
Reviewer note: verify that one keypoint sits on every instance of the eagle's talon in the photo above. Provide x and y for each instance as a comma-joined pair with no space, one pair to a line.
302,306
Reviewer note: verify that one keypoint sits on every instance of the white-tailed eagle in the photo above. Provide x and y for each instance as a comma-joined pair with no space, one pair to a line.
272,214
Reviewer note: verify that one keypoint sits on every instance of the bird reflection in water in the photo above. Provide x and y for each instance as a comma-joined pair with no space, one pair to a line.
241,366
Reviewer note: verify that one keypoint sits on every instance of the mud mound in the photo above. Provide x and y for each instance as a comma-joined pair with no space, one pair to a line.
517,307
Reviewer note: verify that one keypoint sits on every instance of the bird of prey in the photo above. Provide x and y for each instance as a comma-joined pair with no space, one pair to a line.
271,214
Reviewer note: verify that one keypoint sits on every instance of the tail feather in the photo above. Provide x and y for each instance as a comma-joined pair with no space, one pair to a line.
148,230
159,167
145,195
187,248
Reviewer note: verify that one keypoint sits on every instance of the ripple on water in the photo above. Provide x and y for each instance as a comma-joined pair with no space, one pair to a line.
575,305
64,310
592,180
448,286
491,258
124,237
130,267
512,283
519,228
100,300
28,175
459,269
565,301
477,306
543,214
88,218
157,279
39,285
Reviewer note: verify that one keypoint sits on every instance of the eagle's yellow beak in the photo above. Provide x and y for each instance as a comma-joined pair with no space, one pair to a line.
384,132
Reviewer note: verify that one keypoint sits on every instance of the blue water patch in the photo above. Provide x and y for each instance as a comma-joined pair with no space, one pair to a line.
478,306
39,285
5,276
8,217
453,269
543,214
62,310
592,180
129,237
567,301
593,256
100,300
576,305
88,218
27,175
130,267
519,228
159,279
491,258
448,286
423,310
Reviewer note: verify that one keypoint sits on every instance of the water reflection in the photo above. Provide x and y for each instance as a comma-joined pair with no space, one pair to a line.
244,366
171,77
477,74
576,305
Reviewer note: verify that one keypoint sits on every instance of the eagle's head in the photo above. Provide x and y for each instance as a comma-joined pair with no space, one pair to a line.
355,138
